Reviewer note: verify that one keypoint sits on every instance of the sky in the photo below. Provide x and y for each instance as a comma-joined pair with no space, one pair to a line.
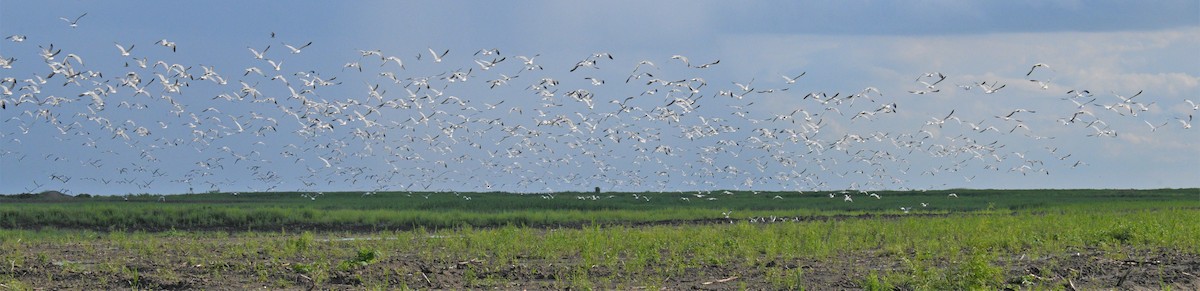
543,96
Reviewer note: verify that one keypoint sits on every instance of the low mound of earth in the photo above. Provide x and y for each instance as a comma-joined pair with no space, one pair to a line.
53,195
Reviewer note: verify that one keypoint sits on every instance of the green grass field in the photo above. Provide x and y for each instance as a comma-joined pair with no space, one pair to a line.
985,239
402,211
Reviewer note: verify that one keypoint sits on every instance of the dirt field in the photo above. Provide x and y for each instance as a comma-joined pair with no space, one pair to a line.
1101,244
170,264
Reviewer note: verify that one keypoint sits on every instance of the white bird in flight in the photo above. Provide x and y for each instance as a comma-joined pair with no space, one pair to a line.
436,57
73,23
166,43
257,54
681,58
124,51
1035,66
1153,127
295,50
793,80
989,89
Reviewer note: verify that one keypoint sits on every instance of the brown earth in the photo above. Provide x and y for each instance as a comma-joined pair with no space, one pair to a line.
107,265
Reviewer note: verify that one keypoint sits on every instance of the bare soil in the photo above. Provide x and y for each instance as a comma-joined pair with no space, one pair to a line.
103,265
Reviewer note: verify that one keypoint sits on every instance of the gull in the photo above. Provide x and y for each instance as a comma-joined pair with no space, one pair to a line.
73,23
905,209
1043,84
681,58
930,86
49,52
989,89
865,93
847,198
254,70
485,65
124,51
140,62
493,106
1081,105
529,65
16,38
941,121
1186,123
585,63
595,81
367,53
1095,122
73,56
1113,107
940,76
394,59
436,57
1035,66
705,66
1143,107
503,80
1154,127
166,43
793,80
1105,132
247,89
643,62
864,114
1080,93
257,54
296,50
745,87
277,66
281,78
1019,110
1076,115
602,55
1193,104
494,51
1020,125
1128,100
952,195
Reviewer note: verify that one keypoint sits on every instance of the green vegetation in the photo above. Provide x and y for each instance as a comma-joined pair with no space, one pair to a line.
979,241
404,211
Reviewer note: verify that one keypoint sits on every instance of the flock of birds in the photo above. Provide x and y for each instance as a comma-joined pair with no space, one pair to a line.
441,120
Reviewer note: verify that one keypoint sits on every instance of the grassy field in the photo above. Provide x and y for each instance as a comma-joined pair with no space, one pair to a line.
985,239
405,211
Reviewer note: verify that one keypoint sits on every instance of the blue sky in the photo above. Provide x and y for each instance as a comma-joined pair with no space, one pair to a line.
1109,48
